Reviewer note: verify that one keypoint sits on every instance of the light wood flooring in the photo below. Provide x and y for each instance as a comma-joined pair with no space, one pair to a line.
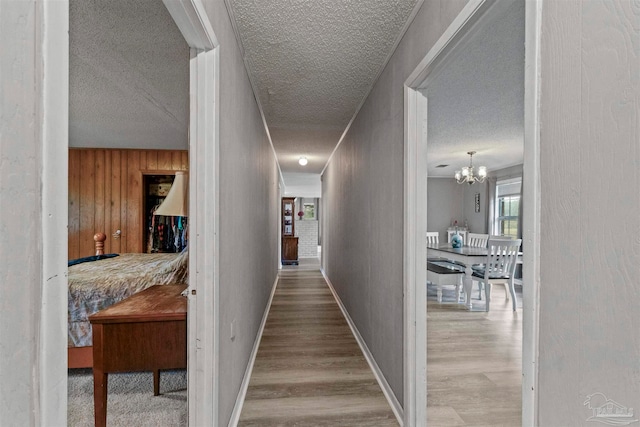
474,364
309,369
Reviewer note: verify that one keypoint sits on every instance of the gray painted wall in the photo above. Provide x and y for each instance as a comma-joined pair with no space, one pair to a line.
363,200
445,203
589,339
589,247
477,220
248,243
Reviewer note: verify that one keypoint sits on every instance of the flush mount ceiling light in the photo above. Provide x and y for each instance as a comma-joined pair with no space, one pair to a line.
466,175
303,161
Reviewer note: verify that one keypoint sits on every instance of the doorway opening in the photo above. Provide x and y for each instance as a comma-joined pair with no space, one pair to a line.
417,159
300,231
192,21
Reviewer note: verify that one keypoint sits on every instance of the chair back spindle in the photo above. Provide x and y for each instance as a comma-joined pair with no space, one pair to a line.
433,238
477,240
502,258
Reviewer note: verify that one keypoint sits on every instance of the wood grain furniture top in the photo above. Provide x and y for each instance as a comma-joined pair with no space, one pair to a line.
155,304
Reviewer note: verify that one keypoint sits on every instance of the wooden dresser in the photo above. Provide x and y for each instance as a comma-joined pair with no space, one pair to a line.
145,332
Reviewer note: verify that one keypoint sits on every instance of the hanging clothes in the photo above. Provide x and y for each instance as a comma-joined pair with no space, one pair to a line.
166,233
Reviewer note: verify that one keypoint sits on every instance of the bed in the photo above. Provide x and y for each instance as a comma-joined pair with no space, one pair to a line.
95,285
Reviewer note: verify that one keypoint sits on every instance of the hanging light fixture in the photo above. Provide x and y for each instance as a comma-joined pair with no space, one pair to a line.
303,161
466,175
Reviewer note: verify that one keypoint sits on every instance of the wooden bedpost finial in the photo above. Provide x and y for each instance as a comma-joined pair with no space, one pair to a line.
99,238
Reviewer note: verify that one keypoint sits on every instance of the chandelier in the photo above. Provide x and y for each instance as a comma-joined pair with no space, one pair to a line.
466,175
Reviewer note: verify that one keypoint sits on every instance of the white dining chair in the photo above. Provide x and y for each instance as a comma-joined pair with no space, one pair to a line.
499,267
477,240
433,238
442,272
507,295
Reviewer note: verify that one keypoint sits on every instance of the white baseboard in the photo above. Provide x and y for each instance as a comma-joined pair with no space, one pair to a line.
384,385
237,409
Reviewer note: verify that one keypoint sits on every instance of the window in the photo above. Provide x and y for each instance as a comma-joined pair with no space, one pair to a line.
507,220
507,207
309,210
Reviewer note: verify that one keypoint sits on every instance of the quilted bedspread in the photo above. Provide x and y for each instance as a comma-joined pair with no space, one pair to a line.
96,285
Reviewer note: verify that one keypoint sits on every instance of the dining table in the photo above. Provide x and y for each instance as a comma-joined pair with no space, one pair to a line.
466,256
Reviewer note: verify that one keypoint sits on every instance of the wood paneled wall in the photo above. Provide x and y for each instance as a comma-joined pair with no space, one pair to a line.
106,194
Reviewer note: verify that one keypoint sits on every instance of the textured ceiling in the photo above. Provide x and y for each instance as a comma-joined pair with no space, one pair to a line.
476,102
313,62
128,76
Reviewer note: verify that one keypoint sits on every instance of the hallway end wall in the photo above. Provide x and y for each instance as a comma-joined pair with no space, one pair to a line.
362,193
248,242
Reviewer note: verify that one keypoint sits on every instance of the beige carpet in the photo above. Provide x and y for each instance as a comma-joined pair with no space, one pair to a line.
130,399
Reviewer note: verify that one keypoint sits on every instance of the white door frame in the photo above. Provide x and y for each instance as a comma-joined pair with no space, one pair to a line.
50,404
415,209
204,302
191,18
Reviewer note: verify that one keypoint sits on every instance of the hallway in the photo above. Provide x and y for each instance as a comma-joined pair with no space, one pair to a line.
309,369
